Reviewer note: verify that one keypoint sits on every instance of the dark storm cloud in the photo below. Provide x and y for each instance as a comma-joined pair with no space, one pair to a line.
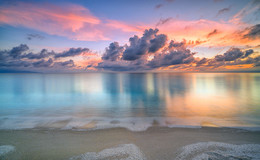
157,43
235,55
43,63
254,61
123,65
148,52
151,51
137,48
172,58
177,53
12,57
249,60
120,66
149,42
113,52
257,61
19,57
21,52
4,55
34,36
202,61
253,32
248,52
173,44
214,32
69,63
71,52
43,54
17,51
15,63
231,55
13,54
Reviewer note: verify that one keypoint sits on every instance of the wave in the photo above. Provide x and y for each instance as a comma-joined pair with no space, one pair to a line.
5,149
217,150
94,123
197,151
123,152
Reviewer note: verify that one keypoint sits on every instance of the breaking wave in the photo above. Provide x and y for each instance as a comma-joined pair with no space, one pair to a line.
122,152
5,149
217,150
95,123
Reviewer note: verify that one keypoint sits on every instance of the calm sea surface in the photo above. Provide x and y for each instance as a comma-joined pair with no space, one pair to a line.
134,101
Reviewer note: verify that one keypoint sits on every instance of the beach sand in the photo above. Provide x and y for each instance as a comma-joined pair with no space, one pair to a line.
152,144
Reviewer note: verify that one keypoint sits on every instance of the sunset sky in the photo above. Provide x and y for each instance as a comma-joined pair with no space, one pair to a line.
130,35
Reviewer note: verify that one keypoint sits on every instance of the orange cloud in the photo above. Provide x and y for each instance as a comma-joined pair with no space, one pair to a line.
72,21
88,59
76,22
124,27
51,19
226,33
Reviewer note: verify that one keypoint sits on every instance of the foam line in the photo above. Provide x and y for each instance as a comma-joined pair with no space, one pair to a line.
122,152
5,149
216,150
94,123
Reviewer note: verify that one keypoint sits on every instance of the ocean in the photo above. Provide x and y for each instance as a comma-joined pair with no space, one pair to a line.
135,101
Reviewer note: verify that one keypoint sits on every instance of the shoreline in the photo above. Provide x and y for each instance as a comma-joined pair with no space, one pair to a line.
135,124
155,143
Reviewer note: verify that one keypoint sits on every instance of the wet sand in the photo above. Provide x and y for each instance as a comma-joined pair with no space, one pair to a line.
154,143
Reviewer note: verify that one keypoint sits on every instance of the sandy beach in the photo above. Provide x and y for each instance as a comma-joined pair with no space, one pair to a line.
154,143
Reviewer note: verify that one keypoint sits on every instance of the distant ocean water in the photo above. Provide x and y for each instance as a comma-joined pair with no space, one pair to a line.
135,101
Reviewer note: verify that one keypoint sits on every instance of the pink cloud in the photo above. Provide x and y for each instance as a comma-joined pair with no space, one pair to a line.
124,27
72,21
226,33
78,23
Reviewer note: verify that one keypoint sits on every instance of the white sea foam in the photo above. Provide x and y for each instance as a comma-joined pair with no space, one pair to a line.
5,149
131,123
122,152
95,123
216,150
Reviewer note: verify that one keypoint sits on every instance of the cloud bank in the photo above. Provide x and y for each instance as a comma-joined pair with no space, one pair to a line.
21,58
150,52
153,51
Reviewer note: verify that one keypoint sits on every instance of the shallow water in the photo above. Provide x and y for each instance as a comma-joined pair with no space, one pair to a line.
135,101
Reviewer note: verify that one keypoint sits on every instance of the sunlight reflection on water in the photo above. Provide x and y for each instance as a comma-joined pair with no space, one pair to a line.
212,99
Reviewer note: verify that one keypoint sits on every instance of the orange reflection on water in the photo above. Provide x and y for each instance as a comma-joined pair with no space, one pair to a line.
208,98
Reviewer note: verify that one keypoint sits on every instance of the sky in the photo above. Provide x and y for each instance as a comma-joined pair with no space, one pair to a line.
129,35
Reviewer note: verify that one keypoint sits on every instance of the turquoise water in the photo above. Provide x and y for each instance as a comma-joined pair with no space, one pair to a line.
135,101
